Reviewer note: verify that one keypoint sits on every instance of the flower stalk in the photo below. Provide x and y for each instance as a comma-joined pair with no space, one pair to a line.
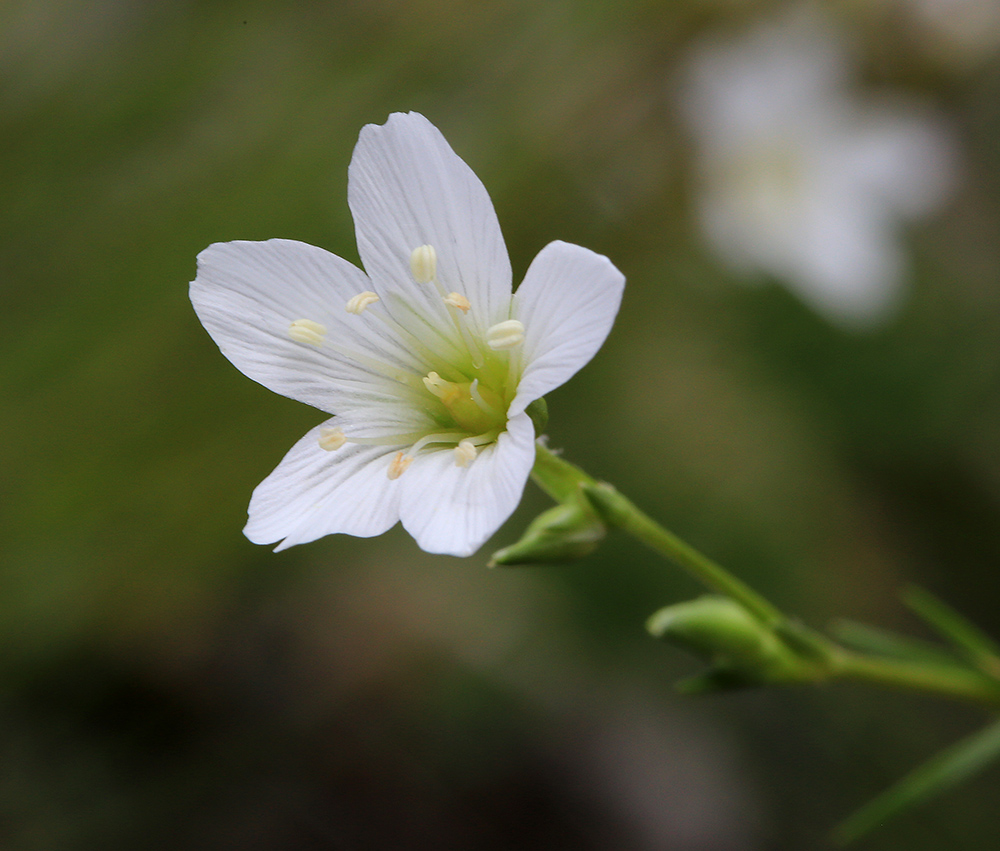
782,650
560,479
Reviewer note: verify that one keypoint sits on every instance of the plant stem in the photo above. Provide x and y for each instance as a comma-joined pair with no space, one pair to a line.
822,658
559,478
949,680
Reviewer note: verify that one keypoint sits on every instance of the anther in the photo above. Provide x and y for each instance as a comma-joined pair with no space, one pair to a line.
399,465
457,300
505,335
465,453
307,331
423,264
446,391
358,303
331,439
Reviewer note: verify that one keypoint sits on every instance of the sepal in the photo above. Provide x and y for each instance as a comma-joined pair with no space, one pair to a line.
741,650
538,412
564,532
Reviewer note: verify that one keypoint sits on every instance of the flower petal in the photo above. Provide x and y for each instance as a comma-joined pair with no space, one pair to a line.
843,257
313,493
247,294
567,304
407,188
453,510
903,157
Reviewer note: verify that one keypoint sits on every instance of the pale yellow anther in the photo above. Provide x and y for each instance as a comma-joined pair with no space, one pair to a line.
307,331
457,300
399,465
331,439
446,391
358,303
423,264
465,453
505,335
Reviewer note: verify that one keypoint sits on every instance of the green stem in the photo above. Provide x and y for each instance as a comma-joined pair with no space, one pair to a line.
560,479
948,680
822,659
556,476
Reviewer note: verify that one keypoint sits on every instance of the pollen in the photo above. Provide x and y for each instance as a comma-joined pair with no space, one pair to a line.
399,465
307,331
505,335
331,439
465,453
358,303
457,300
423,264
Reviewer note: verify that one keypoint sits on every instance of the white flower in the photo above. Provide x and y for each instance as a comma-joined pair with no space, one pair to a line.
962,31
802,181
428,361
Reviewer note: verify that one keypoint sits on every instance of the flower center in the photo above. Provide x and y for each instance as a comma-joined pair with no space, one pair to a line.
471,377
473,408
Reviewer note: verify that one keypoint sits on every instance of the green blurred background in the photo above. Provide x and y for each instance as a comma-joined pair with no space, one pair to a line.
166,684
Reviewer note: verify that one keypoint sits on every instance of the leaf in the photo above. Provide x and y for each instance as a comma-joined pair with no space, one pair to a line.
884,642
947,769
974,644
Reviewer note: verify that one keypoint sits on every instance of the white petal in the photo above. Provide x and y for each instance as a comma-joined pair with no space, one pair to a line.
385,420
847,263
453,510
247,294
904,158
313,493
567,304
408,188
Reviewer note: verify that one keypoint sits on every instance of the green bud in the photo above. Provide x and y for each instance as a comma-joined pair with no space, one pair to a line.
563,533
741,649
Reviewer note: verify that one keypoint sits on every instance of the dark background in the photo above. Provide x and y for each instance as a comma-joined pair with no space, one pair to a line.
166,684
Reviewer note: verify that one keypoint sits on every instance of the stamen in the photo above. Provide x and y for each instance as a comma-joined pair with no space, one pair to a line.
465,453
331,439
358,303
307,331
399,465
418,439
374,365
457,300
446,437
505,335
423,264
482,439
446,391
471,410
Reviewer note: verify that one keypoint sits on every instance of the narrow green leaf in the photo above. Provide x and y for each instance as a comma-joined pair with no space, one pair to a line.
947,769
884,642
974,644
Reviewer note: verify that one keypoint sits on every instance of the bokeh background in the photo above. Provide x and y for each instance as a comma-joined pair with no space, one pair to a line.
166,684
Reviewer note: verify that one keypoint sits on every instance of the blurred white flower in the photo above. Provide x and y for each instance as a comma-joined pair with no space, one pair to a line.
800,180
963,31
428,361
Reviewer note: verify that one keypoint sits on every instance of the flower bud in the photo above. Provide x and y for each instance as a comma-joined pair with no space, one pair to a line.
563,533
741,649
